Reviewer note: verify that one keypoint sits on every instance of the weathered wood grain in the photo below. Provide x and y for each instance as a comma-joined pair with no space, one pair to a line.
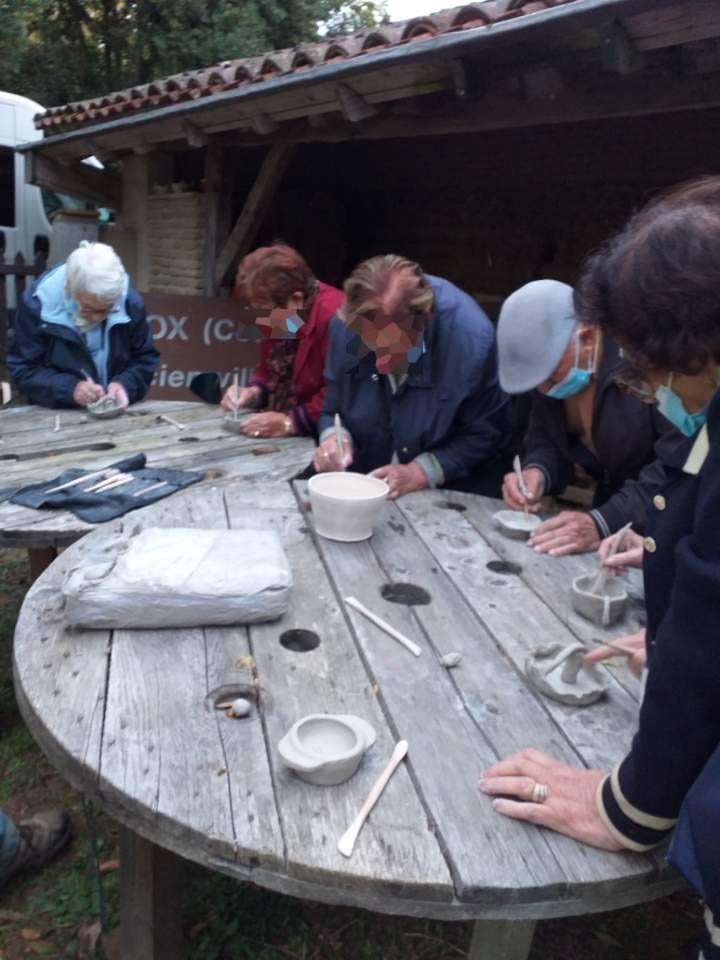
397,851
494,695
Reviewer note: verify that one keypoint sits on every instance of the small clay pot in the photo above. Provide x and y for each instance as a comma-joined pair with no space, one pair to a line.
516,525
324,749
604,608
106,408
233,424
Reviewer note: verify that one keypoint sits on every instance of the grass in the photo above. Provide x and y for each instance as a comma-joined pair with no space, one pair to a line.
54,913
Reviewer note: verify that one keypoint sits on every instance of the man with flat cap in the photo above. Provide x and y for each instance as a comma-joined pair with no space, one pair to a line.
580,417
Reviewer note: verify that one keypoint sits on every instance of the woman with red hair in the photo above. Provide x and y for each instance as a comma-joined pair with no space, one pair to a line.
288,382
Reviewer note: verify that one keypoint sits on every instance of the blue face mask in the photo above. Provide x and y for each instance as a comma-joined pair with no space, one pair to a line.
673,409
575,380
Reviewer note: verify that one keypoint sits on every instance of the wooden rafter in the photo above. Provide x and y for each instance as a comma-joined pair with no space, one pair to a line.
78,180
256,206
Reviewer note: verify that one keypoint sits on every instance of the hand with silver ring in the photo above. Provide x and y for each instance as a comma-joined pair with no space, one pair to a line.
256,433
328,456
549,794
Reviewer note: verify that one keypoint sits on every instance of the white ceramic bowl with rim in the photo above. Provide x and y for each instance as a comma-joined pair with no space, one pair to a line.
345,506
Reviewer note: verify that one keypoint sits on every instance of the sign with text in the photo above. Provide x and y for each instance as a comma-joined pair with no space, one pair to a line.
201,334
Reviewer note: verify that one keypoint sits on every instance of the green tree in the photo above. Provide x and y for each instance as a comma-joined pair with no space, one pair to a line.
57,51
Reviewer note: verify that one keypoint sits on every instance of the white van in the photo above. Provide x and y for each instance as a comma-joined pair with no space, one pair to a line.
24,226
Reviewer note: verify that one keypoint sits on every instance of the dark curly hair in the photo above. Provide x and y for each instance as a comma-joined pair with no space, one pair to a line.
655,287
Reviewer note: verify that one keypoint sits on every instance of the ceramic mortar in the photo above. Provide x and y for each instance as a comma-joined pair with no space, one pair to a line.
326,750
345,506
604,608
516,525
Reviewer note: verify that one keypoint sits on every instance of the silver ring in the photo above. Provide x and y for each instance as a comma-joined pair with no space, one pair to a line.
256,433
540,793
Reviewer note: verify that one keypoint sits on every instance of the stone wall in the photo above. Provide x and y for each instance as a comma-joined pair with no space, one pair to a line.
176,232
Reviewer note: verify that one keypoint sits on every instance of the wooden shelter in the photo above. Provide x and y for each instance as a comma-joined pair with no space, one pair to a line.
495,143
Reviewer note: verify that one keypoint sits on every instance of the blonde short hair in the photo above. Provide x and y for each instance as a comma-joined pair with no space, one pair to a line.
371,280
95,269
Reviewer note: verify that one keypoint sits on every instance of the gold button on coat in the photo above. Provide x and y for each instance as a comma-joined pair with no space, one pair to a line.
659,502
650,545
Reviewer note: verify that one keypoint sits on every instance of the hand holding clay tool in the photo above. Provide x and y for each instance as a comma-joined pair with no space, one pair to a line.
379,622
517,467
614,547
346,843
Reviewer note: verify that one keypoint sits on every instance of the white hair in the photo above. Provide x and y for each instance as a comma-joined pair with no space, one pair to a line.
96,269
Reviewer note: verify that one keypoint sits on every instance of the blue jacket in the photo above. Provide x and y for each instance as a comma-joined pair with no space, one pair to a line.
48,355
451,404
680,715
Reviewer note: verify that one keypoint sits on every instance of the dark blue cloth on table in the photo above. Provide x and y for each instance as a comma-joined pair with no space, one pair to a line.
101,506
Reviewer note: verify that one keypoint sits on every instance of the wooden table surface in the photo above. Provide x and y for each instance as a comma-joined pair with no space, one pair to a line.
127,717
32,451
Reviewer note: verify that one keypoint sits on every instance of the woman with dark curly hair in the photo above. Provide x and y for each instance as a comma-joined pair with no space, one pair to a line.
655,289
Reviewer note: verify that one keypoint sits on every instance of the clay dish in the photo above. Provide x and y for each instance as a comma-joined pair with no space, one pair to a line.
516,525
345,506
560,673
325,749
233,424
604,608
106,408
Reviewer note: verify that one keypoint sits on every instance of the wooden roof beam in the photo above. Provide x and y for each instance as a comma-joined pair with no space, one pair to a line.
353,106
79,180
619,52
256,206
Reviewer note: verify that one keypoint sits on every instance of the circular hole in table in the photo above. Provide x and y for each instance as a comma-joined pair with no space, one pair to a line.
299,640
503,566
213,474
408,593
451,505
258,696
188,439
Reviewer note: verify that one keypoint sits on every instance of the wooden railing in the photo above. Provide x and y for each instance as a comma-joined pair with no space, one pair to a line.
20,271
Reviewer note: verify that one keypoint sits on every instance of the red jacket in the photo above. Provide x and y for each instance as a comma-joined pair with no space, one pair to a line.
308,380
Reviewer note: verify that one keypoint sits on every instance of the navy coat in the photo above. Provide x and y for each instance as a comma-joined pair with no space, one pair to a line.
679,727
46,360
451,404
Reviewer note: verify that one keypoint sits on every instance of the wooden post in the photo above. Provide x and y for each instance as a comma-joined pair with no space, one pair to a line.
256,206
150,897
40,559
213,183
501,940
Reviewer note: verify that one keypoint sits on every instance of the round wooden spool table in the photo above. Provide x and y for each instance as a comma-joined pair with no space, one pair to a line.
128,717
37,444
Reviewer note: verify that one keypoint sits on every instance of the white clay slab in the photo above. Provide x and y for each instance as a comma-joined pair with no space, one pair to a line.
560,673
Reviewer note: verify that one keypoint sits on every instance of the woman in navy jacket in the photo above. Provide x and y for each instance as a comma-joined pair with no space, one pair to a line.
412,371
80,331
655,290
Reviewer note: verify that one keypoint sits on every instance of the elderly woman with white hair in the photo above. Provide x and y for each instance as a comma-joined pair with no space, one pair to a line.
81,332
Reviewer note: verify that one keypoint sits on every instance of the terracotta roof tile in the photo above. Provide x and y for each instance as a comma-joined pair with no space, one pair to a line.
208,81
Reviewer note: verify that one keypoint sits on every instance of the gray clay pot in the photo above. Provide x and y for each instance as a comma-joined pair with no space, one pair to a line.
604,608
516,525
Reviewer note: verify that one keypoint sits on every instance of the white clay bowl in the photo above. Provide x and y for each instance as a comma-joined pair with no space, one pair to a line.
604,608
345,506
515,524
325,749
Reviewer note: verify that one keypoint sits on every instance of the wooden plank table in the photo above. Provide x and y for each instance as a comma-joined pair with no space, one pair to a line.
127,716
31,450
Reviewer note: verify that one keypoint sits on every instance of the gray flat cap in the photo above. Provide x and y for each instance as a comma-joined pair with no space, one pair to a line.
535,326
